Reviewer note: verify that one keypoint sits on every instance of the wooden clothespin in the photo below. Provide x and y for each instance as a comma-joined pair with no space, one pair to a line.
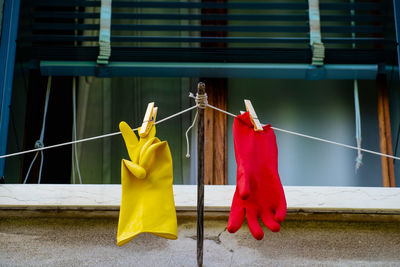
149,119
253,116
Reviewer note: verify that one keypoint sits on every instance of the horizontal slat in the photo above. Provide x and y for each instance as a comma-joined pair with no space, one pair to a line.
223,17
64,26
287,27
66,15
60,38
240,55
192,39
229,28
167,54
215,5
170,69
142,27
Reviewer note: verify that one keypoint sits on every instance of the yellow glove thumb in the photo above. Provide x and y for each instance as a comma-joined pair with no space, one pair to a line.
135,169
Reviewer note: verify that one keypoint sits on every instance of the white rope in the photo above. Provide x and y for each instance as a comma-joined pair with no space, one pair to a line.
90,138
30,167
221,110
358,125
41,167
187,132
174,115
74,146
39,143
201,102
356,103
184,111
315,138
336,143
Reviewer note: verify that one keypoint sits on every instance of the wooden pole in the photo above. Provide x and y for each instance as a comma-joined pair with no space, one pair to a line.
215,133
388,132
382,137
200,178
215,123
385,135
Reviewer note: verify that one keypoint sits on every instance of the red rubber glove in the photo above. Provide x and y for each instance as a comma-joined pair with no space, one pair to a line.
259,191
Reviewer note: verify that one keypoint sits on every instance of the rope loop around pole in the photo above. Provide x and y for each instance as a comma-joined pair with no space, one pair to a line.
200,99
201,102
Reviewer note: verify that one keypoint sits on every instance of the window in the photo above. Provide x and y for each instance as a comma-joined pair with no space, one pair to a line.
166,49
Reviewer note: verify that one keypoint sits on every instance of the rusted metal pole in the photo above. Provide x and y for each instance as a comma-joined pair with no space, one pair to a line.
200,176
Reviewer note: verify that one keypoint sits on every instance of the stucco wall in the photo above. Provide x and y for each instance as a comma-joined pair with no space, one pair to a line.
91,242
76,225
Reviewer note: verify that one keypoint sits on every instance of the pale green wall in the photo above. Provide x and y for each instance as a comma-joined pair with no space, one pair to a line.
319,108
323,109
170,96
114,100
111,101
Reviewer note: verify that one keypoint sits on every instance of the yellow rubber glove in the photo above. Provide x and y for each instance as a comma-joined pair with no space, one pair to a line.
147,201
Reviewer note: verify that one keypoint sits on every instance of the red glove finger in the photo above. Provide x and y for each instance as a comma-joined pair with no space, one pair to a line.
280,212
254,226
236,216
269,221
242,183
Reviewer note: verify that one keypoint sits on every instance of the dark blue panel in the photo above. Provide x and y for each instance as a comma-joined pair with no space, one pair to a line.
237,70
7,56
396,8
231,5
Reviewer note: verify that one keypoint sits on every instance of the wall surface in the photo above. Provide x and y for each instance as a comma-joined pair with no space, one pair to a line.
92,242
323,109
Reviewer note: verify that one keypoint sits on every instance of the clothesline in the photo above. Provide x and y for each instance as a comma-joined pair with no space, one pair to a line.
184,111
91,138
314,138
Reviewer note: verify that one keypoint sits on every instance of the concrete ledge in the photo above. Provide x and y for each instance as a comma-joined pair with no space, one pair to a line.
353,200
75,225
92,242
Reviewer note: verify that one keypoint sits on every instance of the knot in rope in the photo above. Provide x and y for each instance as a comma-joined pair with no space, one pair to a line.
359,159
39,144
201,100
359,155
